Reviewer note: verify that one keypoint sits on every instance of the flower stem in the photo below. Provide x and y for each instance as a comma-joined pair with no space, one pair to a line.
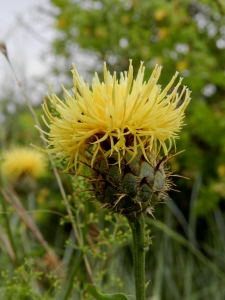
138,230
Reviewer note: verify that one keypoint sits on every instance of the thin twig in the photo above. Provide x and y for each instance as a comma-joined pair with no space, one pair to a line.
8,247
10,236
15,203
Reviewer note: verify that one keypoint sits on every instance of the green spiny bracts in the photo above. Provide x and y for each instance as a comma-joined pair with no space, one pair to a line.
133,187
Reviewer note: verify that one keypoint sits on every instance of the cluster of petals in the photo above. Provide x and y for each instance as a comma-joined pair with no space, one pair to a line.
111,111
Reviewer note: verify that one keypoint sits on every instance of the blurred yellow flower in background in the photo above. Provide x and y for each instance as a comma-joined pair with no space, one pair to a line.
163,32
221,171
22,161
160,14
182,65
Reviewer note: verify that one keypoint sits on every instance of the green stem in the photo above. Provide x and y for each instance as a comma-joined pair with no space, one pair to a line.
10,236
138,230
74,272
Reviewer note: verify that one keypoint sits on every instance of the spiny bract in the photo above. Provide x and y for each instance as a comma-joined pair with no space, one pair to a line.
134,188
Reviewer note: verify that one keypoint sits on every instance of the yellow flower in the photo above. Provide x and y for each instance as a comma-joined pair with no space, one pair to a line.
163,32
221,170
182,65
22,161
115,116
160,14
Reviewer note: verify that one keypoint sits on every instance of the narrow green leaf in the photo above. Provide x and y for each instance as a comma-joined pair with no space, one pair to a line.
98,296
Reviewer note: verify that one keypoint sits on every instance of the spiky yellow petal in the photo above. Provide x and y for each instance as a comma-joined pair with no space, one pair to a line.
109,114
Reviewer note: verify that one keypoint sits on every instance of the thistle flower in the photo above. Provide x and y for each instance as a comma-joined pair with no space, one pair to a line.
22,166
118,127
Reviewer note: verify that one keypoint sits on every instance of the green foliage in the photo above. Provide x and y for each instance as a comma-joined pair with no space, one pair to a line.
98,296
203,206
22,284
179,276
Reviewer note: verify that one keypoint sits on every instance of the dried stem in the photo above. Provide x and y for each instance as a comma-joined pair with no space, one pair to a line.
16,204
8,247
9,244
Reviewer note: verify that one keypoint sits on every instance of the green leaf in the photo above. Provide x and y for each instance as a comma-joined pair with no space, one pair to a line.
98,296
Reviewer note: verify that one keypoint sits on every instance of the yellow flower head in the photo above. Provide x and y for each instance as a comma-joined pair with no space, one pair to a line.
116,116
22,161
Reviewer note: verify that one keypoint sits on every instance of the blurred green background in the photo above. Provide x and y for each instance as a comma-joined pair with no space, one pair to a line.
185,36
